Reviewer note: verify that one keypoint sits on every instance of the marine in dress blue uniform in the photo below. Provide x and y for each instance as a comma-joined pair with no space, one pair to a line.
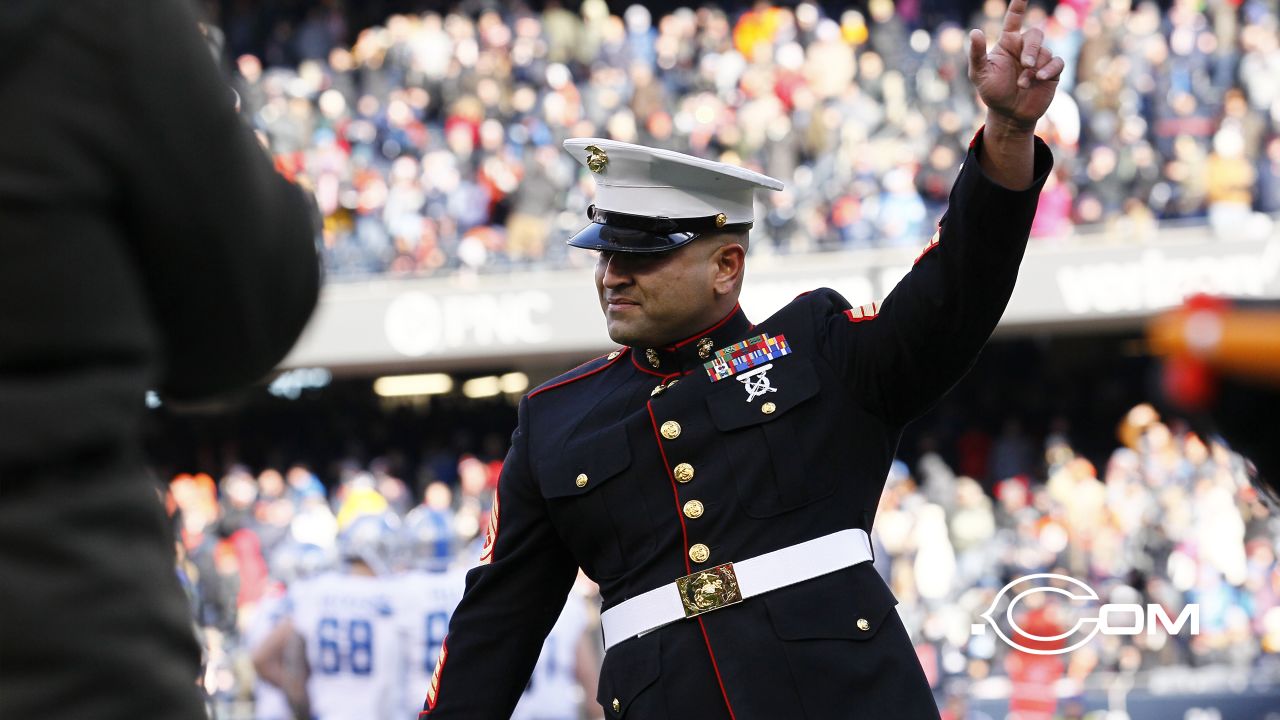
718,484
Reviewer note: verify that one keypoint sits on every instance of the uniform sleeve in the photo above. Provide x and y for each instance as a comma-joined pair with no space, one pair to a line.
901,356
226,245
510,604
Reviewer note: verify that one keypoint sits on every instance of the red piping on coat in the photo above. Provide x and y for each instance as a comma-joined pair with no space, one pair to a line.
623,351
713,328
666,465
684,534
642,368
716,667
977,135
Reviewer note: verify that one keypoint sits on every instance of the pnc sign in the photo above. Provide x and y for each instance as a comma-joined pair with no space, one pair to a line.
1110,618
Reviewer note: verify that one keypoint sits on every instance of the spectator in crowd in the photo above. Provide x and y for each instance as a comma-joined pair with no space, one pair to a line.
431,140
1230,183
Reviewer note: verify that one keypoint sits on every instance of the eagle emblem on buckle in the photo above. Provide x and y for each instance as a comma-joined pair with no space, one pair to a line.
708,590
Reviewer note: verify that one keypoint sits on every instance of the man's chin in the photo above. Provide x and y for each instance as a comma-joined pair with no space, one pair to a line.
624,333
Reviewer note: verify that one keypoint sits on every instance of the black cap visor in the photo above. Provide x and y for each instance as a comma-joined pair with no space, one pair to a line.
620,232
619,239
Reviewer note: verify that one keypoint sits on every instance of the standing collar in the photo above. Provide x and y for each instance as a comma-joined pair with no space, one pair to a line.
691,352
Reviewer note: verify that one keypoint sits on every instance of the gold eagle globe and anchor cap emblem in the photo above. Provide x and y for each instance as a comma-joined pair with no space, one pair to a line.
597,159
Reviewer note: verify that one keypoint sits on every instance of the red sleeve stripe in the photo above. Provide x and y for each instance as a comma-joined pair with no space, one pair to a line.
491,534
433,692
933,243
863,313
486,557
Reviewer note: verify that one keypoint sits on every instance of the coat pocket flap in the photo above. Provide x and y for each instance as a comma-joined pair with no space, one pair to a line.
789,382
851,604
585,464
629,668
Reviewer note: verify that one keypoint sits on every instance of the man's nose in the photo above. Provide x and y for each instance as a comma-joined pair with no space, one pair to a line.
616,271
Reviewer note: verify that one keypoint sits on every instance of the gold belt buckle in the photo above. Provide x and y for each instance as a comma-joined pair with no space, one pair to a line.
708,590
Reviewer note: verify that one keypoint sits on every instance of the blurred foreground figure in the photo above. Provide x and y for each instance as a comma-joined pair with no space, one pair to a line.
145,242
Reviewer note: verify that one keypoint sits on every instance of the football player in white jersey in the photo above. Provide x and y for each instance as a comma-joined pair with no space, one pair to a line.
426,594
290,564
568,669
345,623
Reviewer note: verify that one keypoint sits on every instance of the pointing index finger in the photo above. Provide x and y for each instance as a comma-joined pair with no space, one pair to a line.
1013,17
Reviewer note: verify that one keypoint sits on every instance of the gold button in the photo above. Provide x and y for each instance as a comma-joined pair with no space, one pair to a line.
614,355
699,553
670,430
684,472
863,625
617,706
768,408
693,509
652,357
581,481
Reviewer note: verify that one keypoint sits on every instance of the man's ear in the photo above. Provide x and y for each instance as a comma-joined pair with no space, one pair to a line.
730,264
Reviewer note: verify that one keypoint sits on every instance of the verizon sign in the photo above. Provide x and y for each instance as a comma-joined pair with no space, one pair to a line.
1157,279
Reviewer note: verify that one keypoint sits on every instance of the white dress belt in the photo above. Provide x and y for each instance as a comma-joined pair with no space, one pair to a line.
758,575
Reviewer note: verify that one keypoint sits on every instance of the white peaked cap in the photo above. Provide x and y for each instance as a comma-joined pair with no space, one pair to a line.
652,182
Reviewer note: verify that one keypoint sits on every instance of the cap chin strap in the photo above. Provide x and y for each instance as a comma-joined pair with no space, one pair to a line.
665,226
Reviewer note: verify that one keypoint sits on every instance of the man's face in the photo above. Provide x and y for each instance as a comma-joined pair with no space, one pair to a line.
653,299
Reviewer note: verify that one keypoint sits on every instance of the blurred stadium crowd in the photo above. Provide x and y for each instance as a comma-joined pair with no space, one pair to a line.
1171,519
433,141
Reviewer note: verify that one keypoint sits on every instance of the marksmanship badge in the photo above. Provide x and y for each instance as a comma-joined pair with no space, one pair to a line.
757,382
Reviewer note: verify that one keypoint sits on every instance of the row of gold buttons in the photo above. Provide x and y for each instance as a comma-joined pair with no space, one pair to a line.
683,473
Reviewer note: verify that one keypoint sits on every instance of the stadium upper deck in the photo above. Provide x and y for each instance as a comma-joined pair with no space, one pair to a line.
432,141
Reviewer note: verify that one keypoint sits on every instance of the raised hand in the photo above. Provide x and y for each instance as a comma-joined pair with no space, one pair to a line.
1018,77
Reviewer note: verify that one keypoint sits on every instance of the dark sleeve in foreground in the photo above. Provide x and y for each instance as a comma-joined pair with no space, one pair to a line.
931,328
510,603
227,246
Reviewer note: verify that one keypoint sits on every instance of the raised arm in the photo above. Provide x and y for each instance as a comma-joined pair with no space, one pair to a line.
902,356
